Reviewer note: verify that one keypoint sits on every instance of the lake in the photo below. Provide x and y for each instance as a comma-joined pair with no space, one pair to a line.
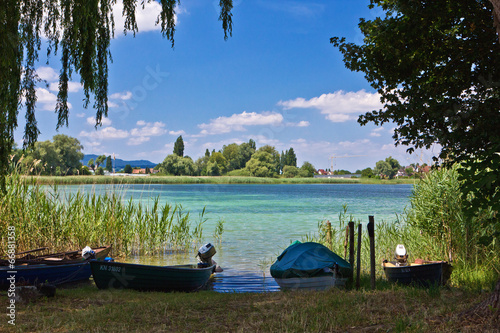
261,220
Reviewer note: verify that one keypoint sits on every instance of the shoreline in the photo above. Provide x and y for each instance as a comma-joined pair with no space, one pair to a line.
179,180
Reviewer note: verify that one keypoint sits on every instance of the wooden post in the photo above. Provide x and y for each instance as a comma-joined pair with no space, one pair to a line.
371,235
346,240
329,235
358,259
351,249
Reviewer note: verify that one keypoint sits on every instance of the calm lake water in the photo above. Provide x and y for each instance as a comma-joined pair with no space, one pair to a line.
261,220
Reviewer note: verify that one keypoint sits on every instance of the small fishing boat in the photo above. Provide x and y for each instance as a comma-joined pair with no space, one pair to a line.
150,278
310,265
54,268
32,274
68,257
420,272
155,278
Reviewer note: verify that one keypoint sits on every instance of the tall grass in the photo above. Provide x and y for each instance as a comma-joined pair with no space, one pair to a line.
476,265
44,217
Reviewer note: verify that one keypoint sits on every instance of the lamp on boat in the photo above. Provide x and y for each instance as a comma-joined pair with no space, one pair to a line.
400,255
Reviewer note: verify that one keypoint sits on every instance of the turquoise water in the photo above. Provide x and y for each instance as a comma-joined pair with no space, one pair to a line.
262,220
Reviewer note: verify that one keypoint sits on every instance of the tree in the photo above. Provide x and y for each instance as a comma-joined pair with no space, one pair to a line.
178,166
81,31
69,151
221,164
109,164
290,171
389,167
100,160
179,146
232,155
436,66
262,164
307,170
367,173
91,164
99,171
127,168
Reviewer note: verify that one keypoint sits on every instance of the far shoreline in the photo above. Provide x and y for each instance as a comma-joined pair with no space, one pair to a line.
179,180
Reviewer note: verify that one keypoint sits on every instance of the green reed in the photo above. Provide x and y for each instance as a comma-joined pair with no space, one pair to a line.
470,273
44,216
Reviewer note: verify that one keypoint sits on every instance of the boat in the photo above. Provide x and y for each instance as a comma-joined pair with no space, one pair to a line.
113,274
59,258
420,272
148,277
32,274
310,266
54,268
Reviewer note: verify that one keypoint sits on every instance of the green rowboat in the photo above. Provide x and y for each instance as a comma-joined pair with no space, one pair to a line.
149,278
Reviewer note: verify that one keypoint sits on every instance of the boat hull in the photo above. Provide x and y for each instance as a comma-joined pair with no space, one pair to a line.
52,274
311,283
149,278
435,273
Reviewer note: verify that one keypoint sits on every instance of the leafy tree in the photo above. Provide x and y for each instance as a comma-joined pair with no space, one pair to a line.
81,31
290,158
220,160
179,146
201,165
436,66
232,155
99,171
247,149
307,170
178,166
275,157
262,164
207,153
100,160
388,167
290,171
91,164
69,152
109,164
127,168
84,171
367,173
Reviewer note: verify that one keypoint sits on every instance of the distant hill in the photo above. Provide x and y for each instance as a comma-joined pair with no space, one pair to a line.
119,164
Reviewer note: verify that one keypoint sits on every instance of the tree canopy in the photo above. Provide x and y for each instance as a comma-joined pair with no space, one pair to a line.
436,66
79,31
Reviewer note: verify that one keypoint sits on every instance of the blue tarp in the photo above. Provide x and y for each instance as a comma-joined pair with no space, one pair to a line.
308,260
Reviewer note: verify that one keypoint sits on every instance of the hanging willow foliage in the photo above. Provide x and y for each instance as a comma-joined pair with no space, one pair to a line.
80,32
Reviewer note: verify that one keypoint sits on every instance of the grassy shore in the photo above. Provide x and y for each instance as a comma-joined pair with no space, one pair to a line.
389,309
78,180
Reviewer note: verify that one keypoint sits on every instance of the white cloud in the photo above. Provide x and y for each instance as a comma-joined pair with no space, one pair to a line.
46,100
112,105
138,140
106,133
237,122
72,86
181,132
339,106
126,95
81,115
302,123
149,129
105,121
47,74
145,18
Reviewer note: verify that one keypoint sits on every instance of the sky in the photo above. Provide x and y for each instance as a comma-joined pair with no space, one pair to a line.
277,80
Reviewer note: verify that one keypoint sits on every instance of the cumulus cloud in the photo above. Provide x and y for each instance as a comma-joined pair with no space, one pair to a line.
148,129
106,133
72,86
238,122
145,17
125,95
47,73
181,132
105,121
339,106
46,100
303,123
138,140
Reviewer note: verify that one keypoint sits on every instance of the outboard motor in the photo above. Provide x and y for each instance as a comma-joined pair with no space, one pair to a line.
88,253
205,254
400,255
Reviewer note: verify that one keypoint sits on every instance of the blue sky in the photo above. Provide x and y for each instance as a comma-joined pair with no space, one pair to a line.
277,80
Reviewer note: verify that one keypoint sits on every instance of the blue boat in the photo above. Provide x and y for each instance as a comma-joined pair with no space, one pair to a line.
53,274
310,266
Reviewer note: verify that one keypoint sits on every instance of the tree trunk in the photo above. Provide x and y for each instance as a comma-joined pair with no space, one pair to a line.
487,310
496,16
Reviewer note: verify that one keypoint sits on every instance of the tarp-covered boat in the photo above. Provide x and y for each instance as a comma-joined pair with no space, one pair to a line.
310,266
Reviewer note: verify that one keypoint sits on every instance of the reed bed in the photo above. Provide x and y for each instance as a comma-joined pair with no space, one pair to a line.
45,217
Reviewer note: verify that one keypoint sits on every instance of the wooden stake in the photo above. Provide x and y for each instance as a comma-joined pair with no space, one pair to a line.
329,235
358,259
351,248
371,235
